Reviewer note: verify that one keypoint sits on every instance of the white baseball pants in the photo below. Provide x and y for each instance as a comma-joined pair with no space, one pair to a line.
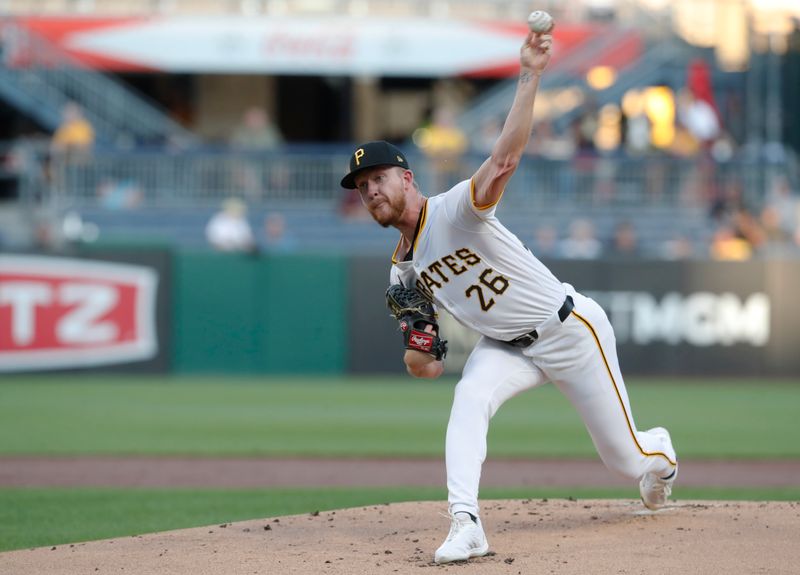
579,356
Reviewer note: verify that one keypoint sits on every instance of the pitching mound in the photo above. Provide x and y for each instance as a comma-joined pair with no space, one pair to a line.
531,536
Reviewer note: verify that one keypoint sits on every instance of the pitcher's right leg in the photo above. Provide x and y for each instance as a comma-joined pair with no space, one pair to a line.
493,373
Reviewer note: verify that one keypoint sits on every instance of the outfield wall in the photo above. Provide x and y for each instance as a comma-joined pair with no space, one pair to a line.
154,310
670,318
259,314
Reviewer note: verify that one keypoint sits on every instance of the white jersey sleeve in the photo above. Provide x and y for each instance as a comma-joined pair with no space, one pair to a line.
461,207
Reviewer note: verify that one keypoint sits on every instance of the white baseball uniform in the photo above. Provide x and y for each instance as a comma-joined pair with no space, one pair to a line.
471,265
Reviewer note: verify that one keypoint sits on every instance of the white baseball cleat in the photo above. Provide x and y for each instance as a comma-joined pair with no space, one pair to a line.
465,540
656,490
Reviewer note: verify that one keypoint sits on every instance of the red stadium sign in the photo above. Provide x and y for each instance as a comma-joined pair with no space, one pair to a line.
66,313
304,45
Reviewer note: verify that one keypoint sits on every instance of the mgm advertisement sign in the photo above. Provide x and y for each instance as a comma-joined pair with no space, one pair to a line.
680,318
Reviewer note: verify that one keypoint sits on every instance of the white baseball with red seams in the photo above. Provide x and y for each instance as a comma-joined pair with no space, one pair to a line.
474,267
540,22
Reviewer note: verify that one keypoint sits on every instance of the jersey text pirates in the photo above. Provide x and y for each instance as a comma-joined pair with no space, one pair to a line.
476,269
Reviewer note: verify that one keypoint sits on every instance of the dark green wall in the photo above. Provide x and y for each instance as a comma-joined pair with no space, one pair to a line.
327,314
257,314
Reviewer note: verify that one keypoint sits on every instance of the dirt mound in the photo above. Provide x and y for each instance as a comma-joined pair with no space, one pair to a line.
529,536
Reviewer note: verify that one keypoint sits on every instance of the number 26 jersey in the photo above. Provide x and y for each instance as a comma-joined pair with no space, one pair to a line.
467,262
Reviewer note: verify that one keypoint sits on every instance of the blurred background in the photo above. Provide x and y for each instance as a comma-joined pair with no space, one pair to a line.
169,197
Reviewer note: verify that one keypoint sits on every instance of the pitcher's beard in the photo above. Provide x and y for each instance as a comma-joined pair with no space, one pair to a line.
389,217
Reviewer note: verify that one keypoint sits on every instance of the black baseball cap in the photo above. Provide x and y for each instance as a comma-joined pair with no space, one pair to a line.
373,154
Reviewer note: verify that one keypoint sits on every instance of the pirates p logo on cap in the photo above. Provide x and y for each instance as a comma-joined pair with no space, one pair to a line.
370,155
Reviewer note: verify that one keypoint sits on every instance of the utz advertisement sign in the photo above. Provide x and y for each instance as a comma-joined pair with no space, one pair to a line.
61,313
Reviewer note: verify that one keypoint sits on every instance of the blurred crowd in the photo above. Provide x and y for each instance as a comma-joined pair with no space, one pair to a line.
229,230
736,228
735,233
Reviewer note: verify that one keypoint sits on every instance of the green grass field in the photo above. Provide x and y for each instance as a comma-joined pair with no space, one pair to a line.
369,417
333,417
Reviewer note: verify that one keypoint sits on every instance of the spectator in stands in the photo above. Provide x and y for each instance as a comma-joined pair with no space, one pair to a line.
624,242
73,229
684,144
733,218
785,202
74,139
637,134
581,242
699,118
24,165
727,246
678,247
256,132
777,239
545,241
726,201
724,147
276,238
551,144
585,128
444,143
46,238
746,226
121,194
228,230
780,219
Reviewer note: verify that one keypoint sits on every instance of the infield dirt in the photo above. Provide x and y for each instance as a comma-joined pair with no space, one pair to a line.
526,536
556,536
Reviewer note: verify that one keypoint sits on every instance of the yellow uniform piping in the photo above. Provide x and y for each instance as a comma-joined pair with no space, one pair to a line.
423,217
619,397
475,204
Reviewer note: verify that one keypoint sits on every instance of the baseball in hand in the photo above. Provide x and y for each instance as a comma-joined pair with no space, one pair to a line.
540,22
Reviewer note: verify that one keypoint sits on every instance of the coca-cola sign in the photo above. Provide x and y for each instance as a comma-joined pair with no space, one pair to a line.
67,313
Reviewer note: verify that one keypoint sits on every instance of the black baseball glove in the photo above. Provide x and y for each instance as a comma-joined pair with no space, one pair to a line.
415,312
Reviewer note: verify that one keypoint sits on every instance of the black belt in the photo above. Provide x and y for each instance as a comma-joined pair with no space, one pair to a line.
528,338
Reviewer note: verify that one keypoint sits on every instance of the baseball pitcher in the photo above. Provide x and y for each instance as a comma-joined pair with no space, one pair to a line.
453,252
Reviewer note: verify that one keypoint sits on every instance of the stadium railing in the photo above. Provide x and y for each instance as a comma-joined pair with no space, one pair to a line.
312,174
171,194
